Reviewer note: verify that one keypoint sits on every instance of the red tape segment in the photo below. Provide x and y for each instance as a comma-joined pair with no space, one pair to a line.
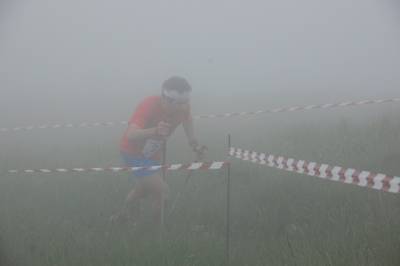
193,166
208,116
335,173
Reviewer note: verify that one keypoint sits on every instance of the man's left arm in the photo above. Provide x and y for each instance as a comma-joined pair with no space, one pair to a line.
188,127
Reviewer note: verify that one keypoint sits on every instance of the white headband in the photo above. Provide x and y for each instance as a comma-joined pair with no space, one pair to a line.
179,96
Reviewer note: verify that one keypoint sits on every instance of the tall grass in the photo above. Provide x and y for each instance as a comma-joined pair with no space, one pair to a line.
277,217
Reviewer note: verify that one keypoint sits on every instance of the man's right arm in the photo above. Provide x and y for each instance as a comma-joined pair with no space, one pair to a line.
136,133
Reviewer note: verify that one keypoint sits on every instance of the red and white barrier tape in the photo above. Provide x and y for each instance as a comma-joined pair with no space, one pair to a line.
65,126
193,166
301,108
335,173
209,116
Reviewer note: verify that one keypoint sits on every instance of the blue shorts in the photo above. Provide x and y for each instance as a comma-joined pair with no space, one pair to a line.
134,161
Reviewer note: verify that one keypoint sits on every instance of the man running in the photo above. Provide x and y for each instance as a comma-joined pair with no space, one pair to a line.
154,120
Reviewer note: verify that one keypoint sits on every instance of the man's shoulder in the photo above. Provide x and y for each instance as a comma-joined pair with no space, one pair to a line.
146,108
155,99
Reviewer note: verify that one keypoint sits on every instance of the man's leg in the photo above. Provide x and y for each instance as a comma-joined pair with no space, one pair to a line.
133,200
154,184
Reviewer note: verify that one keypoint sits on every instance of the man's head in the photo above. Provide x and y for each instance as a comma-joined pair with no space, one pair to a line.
178,84
176,94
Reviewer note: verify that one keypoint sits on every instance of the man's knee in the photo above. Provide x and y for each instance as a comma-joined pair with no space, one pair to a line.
164,194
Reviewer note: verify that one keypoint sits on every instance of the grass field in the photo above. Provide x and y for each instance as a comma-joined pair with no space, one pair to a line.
277,217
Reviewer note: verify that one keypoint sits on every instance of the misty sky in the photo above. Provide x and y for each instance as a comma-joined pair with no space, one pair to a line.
92,61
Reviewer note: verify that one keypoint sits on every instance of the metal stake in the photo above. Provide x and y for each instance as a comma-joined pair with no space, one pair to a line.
227,204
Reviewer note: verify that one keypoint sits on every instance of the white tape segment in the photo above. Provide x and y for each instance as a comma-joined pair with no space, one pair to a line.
335,173
207,116
193,166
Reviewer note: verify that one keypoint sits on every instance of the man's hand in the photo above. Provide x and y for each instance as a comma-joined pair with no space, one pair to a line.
201,151
162,129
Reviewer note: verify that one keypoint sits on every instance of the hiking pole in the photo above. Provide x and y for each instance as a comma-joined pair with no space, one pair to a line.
187,178
163,177
162,186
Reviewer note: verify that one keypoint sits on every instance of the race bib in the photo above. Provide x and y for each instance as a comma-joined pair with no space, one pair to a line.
151,147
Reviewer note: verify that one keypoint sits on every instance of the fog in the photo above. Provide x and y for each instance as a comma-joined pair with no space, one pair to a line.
93,61
87,61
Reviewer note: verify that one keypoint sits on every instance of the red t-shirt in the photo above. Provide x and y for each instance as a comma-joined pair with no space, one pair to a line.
148,114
